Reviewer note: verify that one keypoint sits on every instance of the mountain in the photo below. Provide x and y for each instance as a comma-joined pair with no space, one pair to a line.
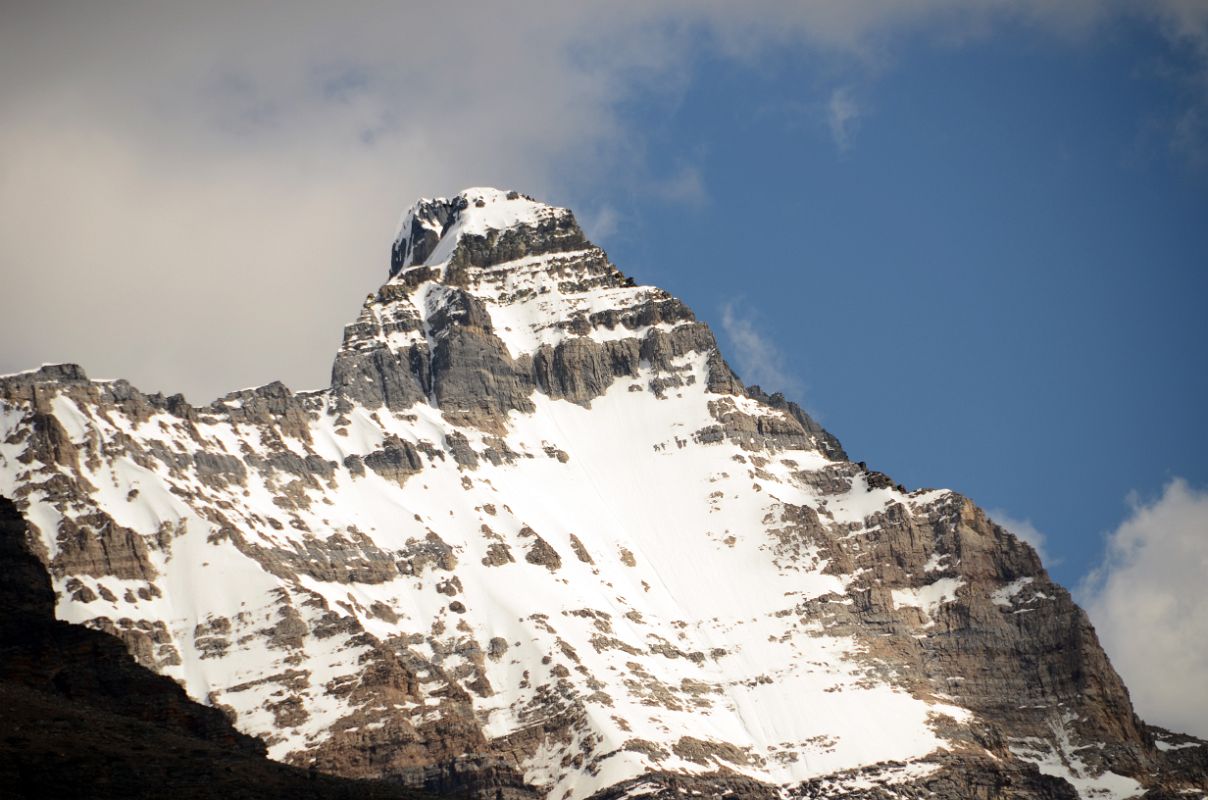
538,540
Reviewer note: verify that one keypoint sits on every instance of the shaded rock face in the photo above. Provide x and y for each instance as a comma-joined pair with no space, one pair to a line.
471,371
422,230
25,589
83,719
538,540
79,664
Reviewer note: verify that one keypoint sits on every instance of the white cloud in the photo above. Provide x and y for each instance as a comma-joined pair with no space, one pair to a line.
1149,603
197,196
759,361
843,117
1025,530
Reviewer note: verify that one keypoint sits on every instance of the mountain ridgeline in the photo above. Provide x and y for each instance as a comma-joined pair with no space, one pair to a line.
537,540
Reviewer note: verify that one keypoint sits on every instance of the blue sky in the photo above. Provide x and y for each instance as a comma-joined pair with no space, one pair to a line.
995,281
969,237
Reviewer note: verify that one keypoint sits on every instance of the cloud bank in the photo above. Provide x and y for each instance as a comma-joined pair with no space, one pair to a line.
196,196
1148,603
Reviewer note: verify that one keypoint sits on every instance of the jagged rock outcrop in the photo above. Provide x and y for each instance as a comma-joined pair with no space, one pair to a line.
538,540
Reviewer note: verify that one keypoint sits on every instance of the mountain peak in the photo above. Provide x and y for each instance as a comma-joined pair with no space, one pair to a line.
431,230
537,541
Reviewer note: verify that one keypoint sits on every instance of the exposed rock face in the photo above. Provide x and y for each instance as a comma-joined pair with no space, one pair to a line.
538,540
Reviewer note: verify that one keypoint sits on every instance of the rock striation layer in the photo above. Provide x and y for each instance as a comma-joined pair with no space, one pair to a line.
538,540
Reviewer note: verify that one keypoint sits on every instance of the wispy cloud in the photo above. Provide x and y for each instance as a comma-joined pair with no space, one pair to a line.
686,185
600,223
843,117
759,361
1185,24
1149,606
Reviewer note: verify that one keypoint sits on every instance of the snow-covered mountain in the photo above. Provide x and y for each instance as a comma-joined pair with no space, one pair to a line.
537,540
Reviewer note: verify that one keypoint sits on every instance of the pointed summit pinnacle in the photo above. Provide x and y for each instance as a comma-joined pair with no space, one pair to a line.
431,230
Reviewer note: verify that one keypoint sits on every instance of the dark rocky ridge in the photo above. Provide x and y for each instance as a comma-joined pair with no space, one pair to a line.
81,719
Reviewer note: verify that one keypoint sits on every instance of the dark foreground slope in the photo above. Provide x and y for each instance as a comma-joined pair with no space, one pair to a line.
80,718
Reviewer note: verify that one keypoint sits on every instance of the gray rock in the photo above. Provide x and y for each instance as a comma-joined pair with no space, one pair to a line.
397,460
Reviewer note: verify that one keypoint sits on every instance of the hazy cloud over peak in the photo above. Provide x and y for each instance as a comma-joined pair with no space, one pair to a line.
197,196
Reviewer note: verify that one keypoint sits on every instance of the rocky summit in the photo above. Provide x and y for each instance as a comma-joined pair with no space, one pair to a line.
537,540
